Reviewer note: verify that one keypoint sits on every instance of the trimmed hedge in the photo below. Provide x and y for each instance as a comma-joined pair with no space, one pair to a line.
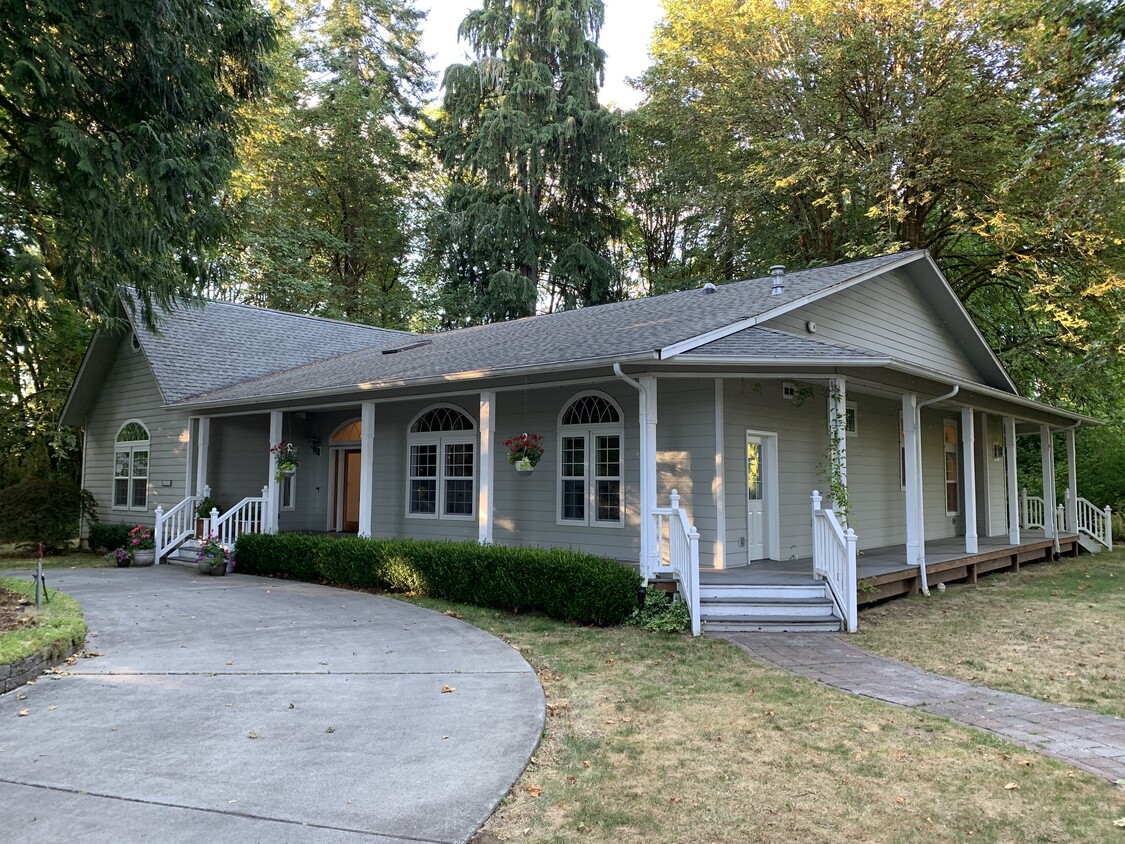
108,535
567,585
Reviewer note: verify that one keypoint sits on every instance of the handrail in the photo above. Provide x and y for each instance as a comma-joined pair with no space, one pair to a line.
174,526
834,561
682,553
1032,511
1093,522
247,516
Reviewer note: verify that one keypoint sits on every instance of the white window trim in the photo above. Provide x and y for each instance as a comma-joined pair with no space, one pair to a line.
292,480
901,453
135,445
590,434
854,431
442,439
951,448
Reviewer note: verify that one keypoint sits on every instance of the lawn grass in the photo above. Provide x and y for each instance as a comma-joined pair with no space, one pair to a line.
57,627
663,738
69,560
1055,631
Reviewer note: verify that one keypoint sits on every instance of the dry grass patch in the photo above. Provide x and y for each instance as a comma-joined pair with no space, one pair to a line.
1053,631
652,737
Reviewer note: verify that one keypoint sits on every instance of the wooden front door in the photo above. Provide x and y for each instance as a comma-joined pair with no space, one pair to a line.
347,490
755,498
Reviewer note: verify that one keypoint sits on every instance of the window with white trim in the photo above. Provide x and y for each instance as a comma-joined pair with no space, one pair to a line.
288,489
850,419
442,465
591,488
130,467
952,471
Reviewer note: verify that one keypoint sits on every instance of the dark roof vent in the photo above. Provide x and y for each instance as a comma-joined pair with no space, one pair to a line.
709,288
778,273
406,348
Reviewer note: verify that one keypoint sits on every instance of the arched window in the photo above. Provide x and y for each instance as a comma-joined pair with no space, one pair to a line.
442,471
130,467
591,490
347,433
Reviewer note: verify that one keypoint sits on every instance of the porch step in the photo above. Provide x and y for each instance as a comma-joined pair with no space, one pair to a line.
184,555
776,625
1090,545
766,608
762,591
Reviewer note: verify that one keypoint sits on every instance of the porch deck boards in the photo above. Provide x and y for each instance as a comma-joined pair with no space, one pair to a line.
886,569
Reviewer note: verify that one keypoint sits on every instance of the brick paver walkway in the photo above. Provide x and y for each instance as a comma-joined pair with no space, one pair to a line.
1087,740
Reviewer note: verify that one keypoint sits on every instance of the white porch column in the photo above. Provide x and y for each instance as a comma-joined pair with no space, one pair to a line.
487,468
968,458
914,537
1071,483
718,485
274,503
650,549
1013,490
201,448
366,465
1047,457
838,432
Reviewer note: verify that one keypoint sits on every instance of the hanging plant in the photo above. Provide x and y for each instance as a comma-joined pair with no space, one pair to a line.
525,451
287,460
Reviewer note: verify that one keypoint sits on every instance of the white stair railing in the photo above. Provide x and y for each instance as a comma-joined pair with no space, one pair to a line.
834,560
1093,522
679,552
247,516
1032,511
175,525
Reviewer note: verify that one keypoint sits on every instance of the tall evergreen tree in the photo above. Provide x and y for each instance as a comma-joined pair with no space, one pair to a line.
534,164
323,195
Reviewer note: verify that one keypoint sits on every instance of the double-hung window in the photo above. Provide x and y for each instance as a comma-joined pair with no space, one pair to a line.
591,485
442,465
952,473
130,467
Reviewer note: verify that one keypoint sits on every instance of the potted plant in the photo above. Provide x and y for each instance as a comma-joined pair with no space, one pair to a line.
524,452
287,460
203,514
213,558
142,546
122,557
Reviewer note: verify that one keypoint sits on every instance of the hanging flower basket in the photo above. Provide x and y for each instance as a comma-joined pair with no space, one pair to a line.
287,460
524,452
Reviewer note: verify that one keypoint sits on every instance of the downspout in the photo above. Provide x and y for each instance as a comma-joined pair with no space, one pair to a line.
646,504
921,483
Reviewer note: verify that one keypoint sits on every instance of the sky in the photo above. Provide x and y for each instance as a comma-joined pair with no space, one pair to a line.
625,39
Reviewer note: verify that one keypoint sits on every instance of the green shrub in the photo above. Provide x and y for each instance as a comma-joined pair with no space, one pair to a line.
108,535
662,613
562,584
43,510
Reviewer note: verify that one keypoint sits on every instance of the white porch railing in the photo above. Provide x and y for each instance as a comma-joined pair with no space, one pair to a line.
247,516
834,560
678,542
1095,523
1032,515
175,525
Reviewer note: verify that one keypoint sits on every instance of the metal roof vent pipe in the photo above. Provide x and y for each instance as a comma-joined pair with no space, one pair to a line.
709,288
778,273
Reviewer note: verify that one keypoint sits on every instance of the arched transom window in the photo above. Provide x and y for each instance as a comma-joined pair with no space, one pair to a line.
130,467
591,491
442,470
348,433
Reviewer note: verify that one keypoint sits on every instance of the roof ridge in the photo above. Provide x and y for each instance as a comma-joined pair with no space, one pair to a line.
332,320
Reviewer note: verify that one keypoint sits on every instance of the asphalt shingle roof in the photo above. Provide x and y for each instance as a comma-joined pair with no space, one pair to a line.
620,330
768,343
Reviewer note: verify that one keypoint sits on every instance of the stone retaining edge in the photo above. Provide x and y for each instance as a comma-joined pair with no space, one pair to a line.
16,674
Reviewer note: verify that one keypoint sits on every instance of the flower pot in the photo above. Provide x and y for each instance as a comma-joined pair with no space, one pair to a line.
524,466
144,558
201,527
123,562
219,570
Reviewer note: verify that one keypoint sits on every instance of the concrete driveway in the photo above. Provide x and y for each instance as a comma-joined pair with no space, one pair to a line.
243,709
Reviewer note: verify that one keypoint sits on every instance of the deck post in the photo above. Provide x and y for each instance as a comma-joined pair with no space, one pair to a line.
910,460
838,438
1071,483
204,436
968,457
485,489
1013,492
718,485
648,420
366,466
1047,457
274,486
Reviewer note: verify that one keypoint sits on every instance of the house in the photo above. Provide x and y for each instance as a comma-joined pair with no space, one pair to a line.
685,433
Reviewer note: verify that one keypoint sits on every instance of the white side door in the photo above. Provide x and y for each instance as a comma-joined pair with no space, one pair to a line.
755,498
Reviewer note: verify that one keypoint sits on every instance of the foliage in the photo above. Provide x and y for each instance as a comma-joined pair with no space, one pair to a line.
205,506
533,164
287,460
527,447
57,629
212,554
324,193
563,584
661,613
108,535
986,132
43,510
141,539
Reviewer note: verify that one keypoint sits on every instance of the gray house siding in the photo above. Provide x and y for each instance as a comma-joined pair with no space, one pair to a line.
878,502
130,392
885,315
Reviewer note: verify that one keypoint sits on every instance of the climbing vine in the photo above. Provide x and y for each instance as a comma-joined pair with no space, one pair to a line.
832,468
